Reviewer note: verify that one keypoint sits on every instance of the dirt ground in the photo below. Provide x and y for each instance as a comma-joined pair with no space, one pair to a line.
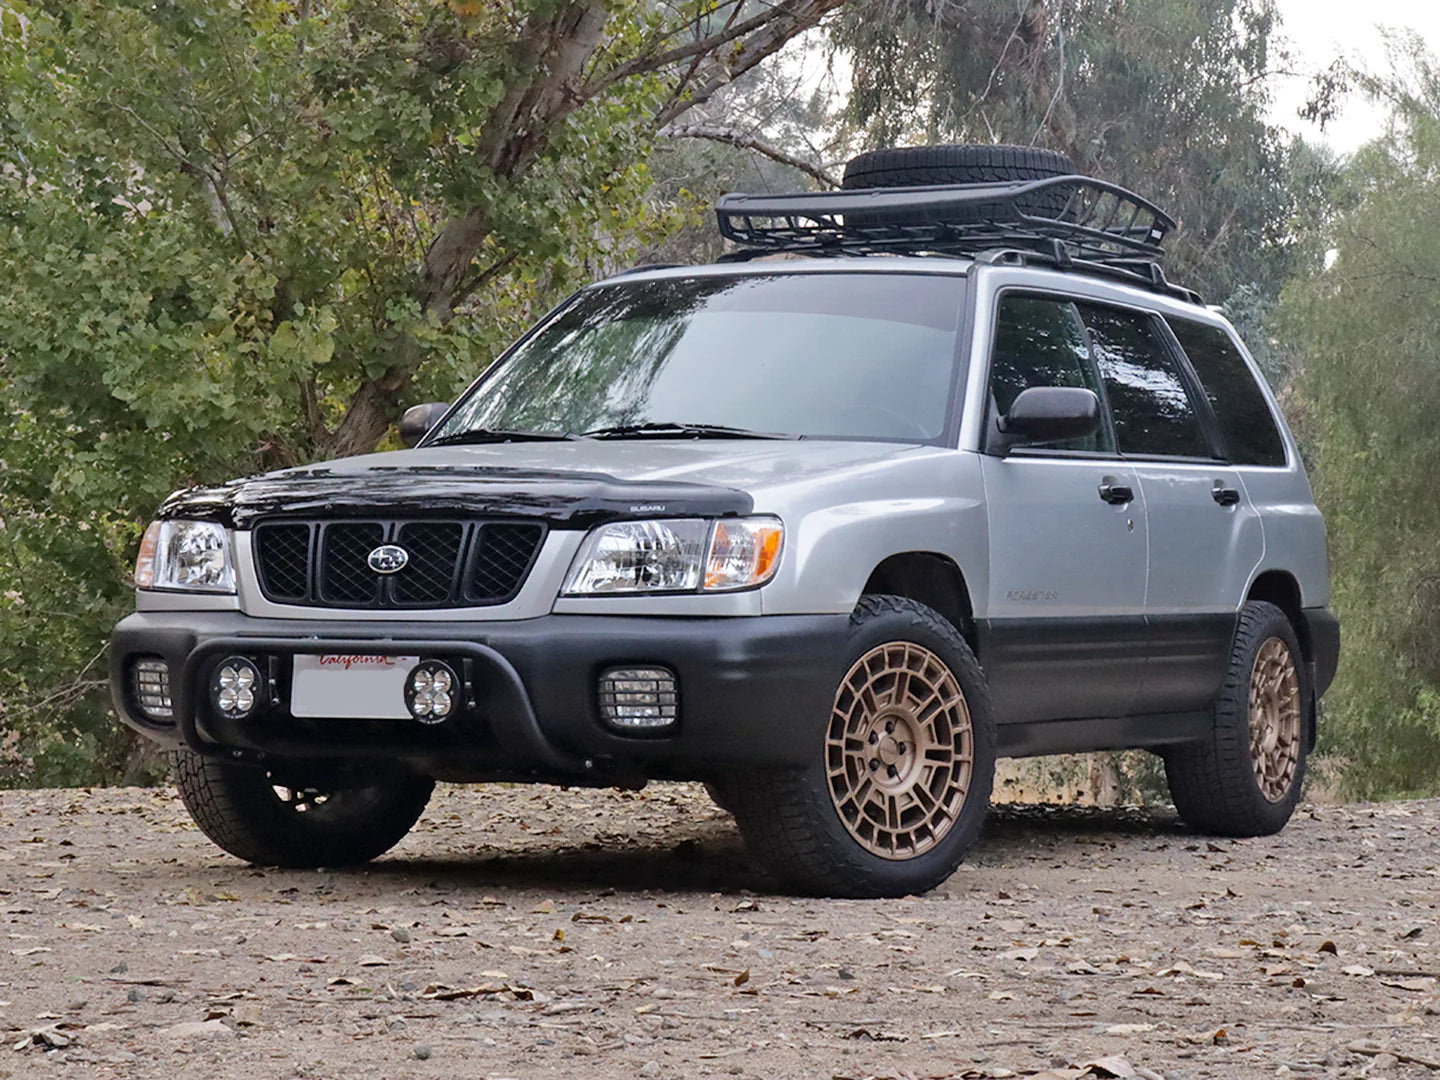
524,932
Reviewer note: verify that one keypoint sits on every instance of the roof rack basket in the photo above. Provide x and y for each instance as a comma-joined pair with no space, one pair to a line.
1071,222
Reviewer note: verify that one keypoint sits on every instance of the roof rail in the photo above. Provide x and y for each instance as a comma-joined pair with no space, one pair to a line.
1147,275
1070,222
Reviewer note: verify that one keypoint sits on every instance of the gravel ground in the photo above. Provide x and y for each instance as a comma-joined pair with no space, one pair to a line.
526,932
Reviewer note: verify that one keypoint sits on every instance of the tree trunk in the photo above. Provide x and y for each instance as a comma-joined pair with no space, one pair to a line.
557,51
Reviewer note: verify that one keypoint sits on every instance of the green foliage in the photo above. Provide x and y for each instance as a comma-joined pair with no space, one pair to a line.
242,235
1369,327
1166,97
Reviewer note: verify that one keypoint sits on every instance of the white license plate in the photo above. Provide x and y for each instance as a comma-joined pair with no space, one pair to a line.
351,686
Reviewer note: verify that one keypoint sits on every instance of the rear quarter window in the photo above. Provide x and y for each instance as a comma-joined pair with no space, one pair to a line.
1246,423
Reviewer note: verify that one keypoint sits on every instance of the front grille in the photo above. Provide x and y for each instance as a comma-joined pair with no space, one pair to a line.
345,576
451,563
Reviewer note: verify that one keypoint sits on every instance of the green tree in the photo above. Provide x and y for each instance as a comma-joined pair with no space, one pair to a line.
1166,97
242,235
1368,327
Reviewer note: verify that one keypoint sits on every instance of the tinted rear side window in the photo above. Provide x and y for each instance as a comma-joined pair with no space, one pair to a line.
1246,423
1151,407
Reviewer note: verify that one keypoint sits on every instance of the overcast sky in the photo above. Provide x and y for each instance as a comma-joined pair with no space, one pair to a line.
1320,30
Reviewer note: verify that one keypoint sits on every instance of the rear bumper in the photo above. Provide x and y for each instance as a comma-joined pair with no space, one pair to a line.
752,690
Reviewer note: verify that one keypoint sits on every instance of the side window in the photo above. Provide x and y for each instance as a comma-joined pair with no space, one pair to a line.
1246,423
1152,410
1041,342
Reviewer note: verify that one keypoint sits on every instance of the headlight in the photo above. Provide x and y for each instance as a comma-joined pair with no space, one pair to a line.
680,555
189,555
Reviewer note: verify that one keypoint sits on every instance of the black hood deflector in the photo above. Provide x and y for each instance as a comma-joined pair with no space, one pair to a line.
567,500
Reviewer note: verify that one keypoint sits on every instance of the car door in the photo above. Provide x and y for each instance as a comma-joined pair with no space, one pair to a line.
1063,635
1205,538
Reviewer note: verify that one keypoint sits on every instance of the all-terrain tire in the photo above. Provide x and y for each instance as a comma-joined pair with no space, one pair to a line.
719,788
238,808
918,166
790,818
1214,783
922,166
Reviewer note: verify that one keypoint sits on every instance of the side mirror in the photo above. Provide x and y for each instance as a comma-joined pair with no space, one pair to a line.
419,419
1045,414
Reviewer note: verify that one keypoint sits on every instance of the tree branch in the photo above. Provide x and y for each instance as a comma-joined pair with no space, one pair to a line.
736,137
640,65
791,18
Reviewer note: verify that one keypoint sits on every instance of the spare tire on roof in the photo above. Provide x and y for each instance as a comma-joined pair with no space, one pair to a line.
918,166
923,166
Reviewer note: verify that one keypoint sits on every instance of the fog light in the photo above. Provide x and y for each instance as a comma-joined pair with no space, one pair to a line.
430,692
639,698
234,688
150,681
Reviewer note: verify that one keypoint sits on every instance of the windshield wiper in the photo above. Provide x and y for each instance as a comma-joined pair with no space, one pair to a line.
496,435
660,429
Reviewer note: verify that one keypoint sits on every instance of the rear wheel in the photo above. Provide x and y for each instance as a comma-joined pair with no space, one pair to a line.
900,779
1245,779
280,820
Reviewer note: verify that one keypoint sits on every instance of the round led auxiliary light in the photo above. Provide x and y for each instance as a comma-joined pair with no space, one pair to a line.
235,687
430,692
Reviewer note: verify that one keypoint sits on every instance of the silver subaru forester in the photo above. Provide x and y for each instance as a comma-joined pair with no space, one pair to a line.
961,477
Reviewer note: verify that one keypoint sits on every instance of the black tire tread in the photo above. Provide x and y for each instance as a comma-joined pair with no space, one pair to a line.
223,801
776,812
1213,783
916,166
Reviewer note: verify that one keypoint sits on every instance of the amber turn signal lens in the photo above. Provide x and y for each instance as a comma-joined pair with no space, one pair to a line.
145,561
744,552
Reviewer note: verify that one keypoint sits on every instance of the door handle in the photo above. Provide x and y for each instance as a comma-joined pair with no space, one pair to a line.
1225,496
1116,494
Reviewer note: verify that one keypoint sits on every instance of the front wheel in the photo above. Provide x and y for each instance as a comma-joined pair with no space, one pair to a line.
1245,779
277,820
901,772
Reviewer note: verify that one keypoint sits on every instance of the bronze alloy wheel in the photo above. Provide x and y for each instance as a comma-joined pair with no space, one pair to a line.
900,750
1274,718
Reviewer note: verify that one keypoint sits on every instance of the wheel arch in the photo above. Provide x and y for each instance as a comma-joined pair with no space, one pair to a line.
1279,587
929,578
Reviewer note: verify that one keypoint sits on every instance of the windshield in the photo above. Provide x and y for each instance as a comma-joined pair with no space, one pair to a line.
846,355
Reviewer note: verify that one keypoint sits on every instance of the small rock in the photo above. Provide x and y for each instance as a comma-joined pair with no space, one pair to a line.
1385,1062
135,995
401,935
165,997
120,969
395,1023
422,1051
199,1029
650,1068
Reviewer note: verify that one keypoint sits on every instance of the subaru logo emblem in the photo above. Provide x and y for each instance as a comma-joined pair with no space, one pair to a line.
388,559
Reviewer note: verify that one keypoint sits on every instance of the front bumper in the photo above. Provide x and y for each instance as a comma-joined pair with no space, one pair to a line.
752,691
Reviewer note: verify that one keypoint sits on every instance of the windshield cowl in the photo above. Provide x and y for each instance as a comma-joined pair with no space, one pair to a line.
664,429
